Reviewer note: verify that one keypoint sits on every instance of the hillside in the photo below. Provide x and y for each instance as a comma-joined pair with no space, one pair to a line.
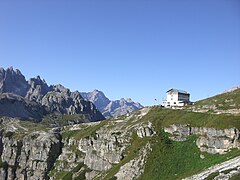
227,103
151,143
111,108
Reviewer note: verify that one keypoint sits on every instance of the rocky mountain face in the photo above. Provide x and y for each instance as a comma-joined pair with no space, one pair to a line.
13,105
114,149
111,108
12,81
34,98
28,157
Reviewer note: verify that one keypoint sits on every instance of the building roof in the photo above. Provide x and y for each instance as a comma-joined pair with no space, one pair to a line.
177,90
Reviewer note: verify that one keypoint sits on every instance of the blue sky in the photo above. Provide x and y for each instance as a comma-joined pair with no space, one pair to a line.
126,48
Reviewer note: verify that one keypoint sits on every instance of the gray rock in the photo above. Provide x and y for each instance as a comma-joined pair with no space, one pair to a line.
30,154
31,157
34,98
231,167
95,162
209,140
134,168
179,132
38,89
13,105
103,150
98,98
62,101
12,81
145,131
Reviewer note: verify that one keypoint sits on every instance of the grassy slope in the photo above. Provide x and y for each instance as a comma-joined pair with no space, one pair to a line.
222,101
176,160
167,117
168,159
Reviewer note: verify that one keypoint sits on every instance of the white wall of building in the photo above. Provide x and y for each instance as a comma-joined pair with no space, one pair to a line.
174,98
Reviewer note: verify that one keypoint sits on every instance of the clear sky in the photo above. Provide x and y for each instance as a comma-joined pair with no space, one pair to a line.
126,48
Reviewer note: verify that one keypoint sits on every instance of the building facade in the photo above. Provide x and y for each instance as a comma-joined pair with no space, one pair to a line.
176,98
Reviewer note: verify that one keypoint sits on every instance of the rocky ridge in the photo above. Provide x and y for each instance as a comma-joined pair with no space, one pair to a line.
34,98
223,171
111,108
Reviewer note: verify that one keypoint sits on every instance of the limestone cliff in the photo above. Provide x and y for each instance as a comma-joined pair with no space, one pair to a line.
78,151
27,156
119,148
209,140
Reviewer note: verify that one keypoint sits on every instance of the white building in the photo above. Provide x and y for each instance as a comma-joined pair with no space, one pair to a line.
176,97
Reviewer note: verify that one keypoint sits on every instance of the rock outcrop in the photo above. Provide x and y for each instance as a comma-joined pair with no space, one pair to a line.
28,157
209,140
95,153
145,131
34,98
223,171
38,88
111,108
134,168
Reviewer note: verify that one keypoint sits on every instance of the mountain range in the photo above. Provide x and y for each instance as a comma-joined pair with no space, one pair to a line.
33,99
200,141
111,108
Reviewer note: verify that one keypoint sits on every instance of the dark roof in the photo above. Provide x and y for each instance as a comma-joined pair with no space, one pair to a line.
177,90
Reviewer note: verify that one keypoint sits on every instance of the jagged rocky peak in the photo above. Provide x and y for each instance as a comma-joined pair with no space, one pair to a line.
111,108
60,88
98,98
55,99
37,81
12,81
95,95
62,100
38,89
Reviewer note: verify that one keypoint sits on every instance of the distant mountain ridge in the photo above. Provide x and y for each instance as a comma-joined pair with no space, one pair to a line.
111,108
24,99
